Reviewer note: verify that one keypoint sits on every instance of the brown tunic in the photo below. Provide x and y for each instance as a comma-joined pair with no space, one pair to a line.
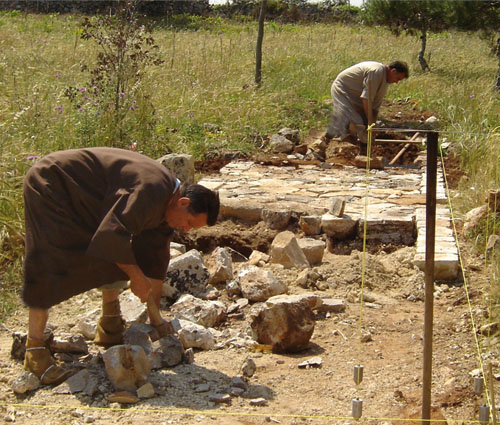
85,211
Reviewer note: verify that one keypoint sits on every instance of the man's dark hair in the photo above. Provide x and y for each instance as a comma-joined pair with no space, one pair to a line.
401,67
203,200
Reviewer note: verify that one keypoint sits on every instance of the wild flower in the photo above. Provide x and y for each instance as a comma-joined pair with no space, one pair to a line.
122,95
59,109
32,157
83,89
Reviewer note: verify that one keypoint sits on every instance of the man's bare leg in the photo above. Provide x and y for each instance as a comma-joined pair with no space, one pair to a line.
109,296
156,285
38,359
111,325
37,321
165,328
359,133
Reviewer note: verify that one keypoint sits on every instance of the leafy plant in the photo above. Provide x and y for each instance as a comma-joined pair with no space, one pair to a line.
109,101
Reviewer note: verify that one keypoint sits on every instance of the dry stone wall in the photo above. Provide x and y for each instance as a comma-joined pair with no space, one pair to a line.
148,7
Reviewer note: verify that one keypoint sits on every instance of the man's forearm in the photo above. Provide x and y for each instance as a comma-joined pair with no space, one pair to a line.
139,283
132,270
369,112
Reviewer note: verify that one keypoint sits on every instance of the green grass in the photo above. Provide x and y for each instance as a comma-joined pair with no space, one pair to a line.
203,97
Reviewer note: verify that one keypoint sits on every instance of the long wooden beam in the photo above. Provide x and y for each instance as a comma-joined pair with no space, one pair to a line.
413,142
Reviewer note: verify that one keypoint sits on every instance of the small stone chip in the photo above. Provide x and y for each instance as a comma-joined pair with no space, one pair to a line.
122,397
258,402
312,362
220,398
146,391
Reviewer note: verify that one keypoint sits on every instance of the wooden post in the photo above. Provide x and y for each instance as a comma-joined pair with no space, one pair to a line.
430,233
403,150
260,38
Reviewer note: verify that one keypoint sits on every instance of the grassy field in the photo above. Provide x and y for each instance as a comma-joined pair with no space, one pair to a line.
202,98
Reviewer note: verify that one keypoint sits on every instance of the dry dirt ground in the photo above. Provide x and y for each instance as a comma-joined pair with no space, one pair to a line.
384,333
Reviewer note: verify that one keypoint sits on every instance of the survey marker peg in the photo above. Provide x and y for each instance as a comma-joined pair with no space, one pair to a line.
358,374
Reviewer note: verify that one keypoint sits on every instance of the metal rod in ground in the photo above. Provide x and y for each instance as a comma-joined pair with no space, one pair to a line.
492,395
430,233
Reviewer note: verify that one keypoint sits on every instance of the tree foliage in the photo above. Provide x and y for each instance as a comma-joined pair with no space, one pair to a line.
424,16
483,16
412,17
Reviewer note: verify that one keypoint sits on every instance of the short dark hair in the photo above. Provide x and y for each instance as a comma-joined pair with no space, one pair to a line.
203,200
401,67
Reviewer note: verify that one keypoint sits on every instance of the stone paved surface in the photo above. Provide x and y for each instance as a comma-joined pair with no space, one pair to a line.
394,208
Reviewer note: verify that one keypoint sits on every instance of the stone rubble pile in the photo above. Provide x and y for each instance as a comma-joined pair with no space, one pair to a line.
123,373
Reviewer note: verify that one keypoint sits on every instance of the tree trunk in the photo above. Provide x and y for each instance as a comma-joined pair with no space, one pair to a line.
260,37
498,55
421,59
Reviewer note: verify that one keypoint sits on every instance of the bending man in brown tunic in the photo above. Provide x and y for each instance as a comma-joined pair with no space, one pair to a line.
357,94
97,216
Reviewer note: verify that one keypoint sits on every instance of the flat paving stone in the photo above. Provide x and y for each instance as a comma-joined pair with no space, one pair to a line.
392,201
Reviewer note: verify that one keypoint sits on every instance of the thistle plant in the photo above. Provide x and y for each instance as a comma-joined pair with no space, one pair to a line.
114,105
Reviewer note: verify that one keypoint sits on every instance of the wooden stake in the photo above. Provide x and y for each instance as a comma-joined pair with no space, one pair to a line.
403,150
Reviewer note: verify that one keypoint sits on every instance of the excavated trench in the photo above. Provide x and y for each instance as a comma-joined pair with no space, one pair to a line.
257,192
244,236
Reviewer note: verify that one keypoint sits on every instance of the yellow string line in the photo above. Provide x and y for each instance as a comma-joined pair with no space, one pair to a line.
474,328
213,413
363,261
409,130
487,232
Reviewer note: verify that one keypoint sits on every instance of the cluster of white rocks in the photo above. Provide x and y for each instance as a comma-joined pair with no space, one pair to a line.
282,322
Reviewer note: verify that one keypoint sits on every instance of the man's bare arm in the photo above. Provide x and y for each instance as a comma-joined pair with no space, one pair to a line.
371,115
140,285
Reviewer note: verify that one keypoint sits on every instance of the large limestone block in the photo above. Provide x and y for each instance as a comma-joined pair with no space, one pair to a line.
339,228
258,285
310,298
127,367
280,144
133,310
376,162
285,250
446,266
275,219
172,350
313,249
181,165
186,275
196,336
240,209
220,266
390,229
204,313
285,324
310,224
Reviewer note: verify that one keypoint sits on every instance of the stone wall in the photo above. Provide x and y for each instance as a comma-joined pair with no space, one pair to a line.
289,11
279,10
149,7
